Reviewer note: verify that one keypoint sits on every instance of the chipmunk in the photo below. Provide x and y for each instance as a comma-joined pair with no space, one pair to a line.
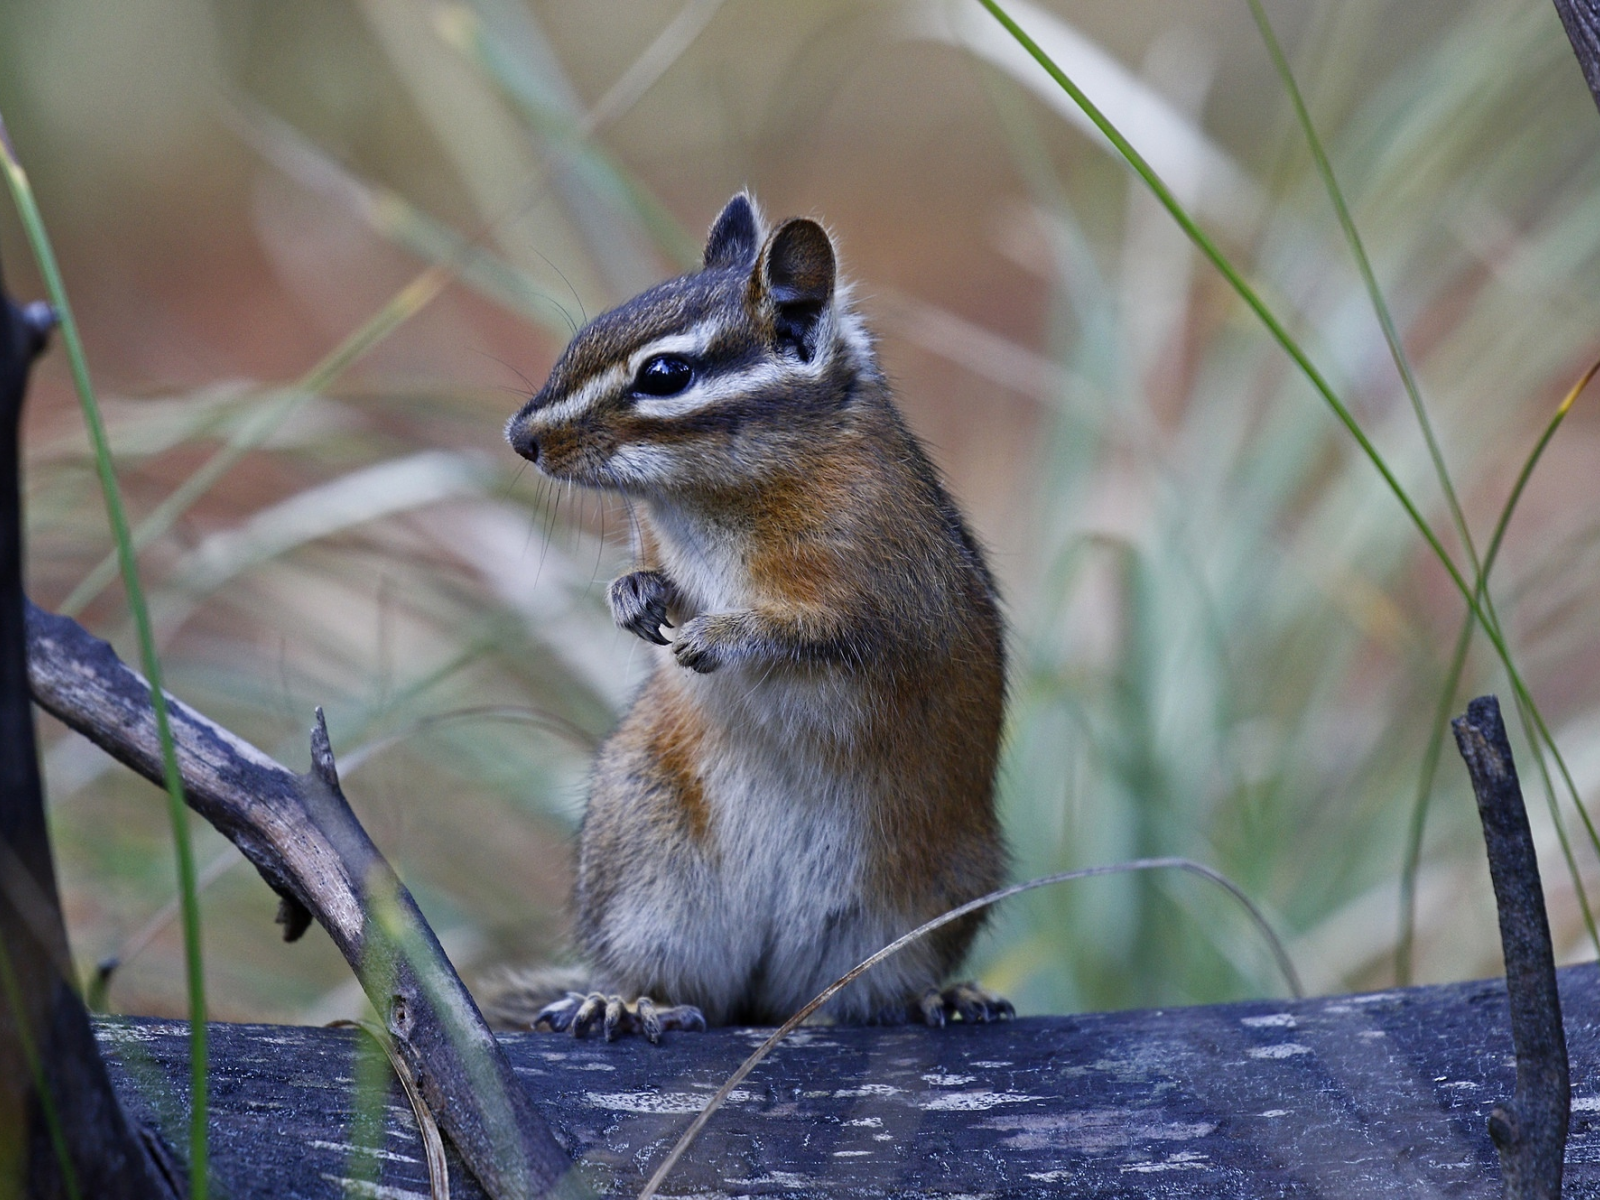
809,770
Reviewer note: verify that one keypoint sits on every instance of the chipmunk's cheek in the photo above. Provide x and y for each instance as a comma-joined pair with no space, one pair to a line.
642,464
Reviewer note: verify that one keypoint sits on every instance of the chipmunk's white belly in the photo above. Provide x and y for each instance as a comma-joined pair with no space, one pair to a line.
791,900
774,906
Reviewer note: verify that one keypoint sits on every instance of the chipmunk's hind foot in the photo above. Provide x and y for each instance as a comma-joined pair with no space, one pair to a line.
972,1004
579,1012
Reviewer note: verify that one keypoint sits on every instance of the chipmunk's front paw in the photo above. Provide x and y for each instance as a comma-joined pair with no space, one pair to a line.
639,603
579,1013
973,1004
702,644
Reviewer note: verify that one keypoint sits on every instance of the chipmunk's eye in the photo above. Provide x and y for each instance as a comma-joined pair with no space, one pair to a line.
663,375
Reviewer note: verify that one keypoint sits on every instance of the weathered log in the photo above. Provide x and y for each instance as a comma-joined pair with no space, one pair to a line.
1380,1097
62,1131
300,834
1530,1131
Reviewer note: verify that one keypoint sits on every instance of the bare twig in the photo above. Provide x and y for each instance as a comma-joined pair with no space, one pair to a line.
299,833
1530,1132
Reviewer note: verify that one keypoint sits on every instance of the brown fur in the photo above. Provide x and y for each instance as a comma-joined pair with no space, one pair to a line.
838,650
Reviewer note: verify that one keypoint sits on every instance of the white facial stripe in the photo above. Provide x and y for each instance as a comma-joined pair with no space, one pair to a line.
691,344
580,401
704,392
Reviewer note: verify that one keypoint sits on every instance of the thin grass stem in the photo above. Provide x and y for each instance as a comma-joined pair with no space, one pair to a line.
1482,613
370,1108
178,813
400,308
1412,860
1358,250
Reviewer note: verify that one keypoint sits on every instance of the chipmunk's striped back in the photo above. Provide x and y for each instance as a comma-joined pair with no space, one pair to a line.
809,770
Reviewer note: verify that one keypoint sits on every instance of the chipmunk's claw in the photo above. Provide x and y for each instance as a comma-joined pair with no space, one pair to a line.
579,1012
556,1017
973,1004
639,602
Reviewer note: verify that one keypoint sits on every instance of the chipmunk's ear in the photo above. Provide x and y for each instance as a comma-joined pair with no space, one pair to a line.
735,236
795,281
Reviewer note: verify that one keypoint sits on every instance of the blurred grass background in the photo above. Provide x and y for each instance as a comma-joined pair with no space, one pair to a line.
1227,641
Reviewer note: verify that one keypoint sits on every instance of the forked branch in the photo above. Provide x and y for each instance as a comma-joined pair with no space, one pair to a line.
300,833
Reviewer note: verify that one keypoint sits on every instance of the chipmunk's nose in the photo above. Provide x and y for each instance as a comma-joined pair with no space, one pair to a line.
525,444
519,432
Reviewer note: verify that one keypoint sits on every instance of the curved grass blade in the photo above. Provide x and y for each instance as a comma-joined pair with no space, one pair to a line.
1380,307
1239,284
1412,861
400,308
44,254
971,906
369,1105
1482,612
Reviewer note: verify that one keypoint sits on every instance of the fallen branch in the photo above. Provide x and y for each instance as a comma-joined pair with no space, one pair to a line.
299,833
1530,1132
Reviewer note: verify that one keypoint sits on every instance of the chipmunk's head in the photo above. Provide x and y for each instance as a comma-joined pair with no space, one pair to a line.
708,380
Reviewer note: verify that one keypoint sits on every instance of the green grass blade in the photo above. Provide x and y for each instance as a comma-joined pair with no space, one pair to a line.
1240,285
400,308
1380,307
1411,859
1526,473
1481,612
39,241
1411,862
603,175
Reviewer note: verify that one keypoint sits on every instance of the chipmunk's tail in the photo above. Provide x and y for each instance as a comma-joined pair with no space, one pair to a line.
511,997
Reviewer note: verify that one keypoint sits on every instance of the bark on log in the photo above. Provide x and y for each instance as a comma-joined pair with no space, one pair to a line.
300,834
1374,1097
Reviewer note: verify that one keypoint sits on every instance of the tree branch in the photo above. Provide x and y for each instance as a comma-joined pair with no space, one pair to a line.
1530,1132
300,833
1581,19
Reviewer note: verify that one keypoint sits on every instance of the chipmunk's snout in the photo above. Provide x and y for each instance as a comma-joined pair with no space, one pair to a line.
523,442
